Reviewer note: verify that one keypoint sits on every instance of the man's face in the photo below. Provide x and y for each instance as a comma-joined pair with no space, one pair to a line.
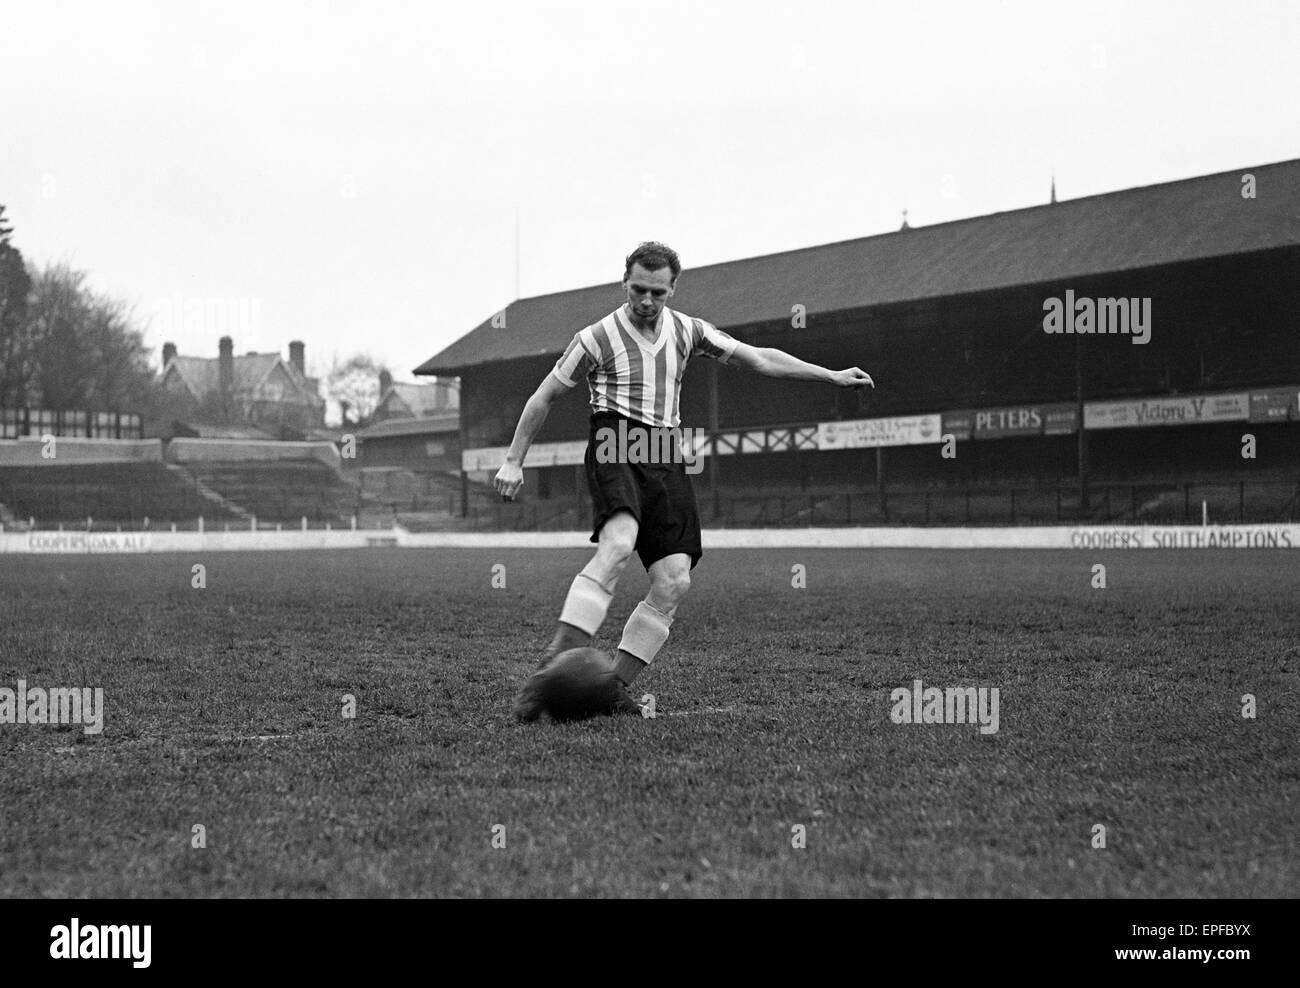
647,291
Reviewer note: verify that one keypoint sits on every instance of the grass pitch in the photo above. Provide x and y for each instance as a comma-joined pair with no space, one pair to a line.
1119,707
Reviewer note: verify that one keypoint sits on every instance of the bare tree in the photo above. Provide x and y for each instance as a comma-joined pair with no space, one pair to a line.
354,385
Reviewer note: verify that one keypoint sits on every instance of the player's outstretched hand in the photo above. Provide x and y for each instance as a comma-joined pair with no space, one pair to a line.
509,479
854,377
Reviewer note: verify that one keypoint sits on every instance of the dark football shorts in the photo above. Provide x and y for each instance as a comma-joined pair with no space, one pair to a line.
659,495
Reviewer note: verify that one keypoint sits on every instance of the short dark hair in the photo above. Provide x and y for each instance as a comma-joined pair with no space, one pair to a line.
652,256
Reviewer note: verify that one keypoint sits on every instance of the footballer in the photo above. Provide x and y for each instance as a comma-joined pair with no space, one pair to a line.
633,360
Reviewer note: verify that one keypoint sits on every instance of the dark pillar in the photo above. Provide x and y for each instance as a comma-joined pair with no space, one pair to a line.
880,477
713,431
1083,433
226,375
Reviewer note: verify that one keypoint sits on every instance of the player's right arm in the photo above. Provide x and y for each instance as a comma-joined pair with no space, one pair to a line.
511,475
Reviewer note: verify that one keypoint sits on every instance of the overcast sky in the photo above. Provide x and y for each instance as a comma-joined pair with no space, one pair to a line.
348,173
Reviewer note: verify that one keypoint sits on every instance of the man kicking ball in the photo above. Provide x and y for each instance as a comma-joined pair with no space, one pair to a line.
633,361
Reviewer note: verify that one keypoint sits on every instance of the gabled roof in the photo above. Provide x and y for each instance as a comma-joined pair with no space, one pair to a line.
422,399
1173,222
249,370
193,372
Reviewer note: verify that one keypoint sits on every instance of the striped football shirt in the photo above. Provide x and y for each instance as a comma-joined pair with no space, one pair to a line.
635,377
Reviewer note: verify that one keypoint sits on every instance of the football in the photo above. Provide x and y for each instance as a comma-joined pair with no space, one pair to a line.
577,684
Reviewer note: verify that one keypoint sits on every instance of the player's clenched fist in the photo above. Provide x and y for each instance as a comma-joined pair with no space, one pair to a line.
854,377
509,479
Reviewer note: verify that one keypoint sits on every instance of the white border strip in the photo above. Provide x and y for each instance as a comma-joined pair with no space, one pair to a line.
1285,536
1282,536
103,543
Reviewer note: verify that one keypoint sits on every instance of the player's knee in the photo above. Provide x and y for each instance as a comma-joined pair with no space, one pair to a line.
671,587
617,545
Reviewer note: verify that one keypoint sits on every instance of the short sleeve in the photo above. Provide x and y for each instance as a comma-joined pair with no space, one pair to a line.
711,342
575,364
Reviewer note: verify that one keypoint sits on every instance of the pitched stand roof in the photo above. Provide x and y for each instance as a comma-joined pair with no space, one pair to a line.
1173,222
445,421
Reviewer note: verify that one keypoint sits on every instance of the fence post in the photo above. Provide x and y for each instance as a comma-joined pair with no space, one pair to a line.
354,523
252,523
304,523
200,524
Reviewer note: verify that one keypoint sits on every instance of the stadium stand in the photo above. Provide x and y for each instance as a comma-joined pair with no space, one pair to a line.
283,491
949,320
110,494
1153,502
419,501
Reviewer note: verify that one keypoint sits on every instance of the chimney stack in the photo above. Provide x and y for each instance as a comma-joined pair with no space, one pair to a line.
385,382
296,356
226,365
169,352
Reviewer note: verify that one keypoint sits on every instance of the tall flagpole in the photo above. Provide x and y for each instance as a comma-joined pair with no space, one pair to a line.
516,252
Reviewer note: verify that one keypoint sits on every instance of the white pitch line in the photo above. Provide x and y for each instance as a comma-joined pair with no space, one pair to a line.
701,710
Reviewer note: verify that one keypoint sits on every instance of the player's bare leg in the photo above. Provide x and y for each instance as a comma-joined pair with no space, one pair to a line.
593,588
585,606
647,629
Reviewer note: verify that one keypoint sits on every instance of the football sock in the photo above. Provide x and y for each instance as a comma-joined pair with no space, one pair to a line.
627,667
586,604
643,636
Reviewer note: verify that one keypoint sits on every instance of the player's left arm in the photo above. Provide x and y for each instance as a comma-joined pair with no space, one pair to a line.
772,362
